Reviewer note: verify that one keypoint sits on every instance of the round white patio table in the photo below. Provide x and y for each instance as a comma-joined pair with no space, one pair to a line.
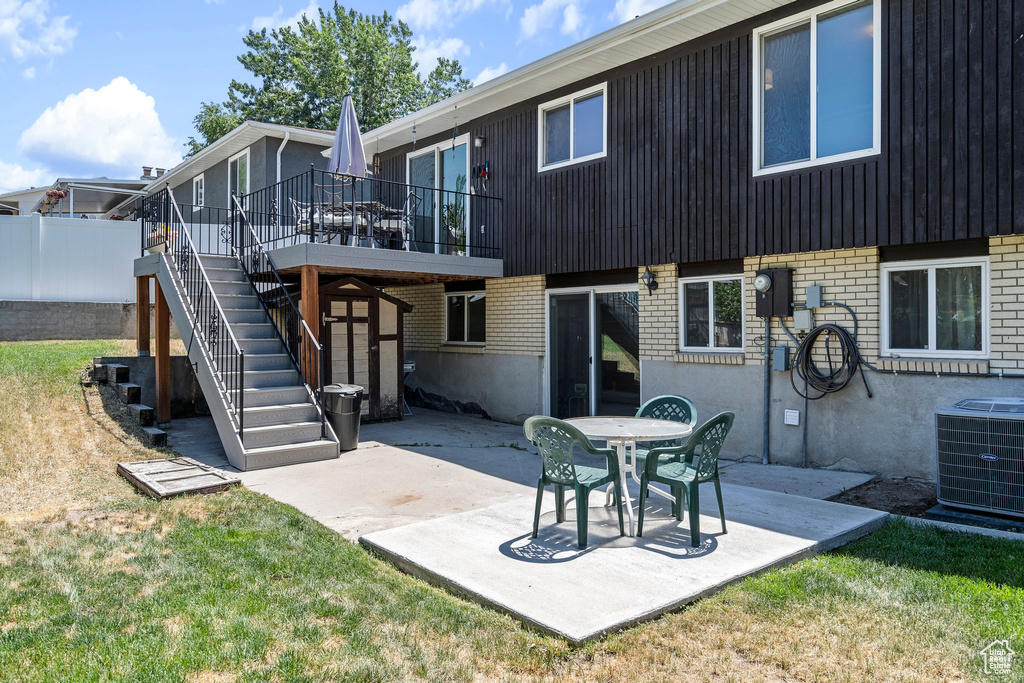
619,432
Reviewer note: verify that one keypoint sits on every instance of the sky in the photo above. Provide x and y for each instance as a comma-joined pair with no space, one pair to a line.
104,87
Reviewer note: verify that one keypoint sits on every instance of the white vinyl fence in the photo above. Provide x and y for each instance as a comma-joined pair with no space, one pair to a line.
67,259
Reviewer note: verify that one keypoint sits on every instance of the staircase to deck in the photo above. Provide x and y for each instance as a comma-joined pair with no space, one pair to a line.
266,412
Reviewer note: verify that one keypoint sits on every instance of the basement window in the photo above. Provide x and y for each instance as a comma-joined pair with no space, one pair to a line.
465,318
711,313
935,308
572,128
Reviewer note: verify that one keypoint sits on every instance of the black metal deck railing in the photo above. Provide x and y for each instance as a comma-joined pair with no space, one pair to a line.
306,353
333,208
164,224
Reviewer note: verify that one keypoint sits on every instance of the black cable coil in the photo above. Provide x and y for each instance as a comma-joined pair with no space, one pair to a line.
840,365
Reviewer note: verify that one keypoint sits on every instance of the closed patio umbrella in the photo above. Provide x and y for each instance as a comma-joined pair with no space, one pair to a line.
347,152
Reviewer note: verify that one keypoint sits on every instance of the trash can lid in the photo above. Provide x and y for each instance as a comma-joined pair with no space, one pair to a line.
350,389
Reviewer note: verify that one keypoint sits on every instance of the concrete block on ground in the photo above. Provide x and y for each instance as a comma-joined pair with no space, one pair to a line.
118,373
143,414
129,392
155,436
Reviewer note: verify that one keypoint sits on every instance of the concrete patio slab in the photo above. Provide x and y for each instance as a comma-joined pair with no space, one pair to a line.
488,556
435,464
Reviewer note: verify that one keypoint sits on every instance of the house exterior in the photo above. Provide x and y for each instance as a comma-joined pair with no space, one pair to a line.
671,207
251,157
868,147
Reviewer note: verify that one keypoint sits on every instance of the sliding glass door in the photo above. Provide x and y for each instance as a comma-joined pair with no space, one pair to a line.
593,352
441,223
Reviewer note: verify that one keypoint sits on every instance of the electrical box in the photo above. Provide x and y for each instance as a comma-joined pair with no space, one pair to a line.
815,296
780,358
777,302
792,418
803,320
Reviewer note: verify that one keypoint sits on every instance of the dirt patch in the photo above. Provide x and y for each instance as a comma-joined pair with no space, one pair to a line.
906,496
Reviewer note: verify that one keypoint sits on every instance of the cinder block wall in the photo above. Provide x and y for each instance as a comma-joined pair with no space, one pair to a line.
41,320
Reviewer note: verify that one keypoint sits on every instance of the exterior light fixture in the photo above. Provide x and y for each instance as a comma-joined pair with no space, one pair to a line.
479,140
648,280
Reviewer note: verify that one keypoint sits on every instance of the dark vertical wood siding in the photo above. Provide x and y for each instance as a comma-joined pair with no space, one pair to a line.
677,184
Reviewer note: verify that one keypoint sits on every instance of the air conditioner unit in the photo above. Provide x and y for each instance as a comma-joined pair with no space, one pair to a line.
980,453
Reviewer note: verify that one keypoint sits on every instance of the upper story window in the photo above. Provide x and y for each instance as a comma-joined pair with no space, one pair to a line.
711,313
199,190
466,318
238,175
935,308
573,128
817,87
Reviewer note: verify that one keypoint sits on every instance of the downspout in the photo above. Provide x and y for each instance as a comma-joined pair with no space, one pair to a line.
287,136
767,388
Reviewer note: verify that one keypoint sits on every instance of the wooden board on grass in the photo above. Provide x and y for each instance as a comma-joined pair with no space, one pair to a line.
175,477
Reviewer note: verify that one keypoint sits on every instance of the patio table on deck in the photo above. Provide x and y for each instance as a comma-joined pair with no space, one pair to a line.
620,431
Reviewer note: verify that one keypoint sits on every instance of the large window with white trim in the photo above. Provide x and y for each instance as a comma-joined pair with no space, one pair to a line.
935,308
817,87
711,313
572,128
238,175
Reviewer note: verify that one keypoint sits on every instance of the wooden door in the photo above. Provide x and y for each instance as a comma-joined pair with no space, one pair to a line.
348,332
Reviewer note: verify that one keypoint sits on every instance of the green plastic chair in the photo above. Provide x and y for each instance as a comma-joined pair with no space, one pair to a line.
680,474
555,440
675,408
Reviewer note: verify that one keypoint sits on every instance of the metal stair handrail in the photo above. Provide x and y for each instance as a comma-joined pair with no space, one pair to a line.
251,265
184,254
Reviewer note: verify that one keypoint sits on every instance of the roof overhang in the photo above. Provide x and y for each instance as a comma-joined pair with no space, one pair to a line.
234,142
661,29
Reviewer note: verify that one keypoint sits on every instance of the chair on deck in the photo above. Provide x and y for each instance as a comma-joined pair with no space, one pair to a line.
675,467
393,229
556,440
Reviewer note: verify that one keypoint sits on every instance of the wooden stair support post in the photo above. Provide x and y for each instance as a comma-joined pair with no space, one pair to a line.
163,358
142,315
311,313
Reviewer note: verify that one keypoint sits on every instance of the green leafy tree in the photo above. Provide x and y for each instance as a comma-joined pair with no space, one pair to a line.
301,75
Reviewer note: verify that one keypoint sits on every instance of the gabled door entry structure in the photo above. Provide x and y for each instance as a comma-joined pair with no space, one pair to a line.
362,330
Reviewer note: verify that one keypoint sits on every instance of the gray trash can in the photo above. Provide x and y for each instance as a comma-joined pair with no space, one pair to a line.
343,403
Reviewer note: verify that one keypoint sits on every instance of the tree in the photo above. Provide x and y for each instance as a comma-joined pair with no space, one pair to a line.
302,75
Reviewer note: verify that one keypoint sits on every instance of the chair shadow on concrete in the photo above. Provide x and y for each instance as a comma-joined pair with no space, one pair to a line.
556,543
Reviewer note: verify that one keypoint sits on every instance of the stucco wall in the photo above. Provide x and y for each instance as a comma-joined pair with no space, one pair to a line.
39,320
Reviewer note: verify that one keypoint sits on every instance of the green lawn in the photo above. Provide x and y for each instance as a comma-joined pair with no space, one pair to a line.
112,586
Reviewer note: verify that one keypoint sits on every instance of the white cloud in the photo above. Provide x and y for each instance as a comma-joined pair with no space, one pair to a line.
630,9
29,28
545,14
278,20
29,73
114,129
15,177
490,73
424,15
428,51
572,19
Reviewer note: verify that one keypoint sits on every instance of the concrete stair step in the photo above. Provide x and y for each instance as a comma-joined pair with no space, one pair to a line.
268,361
277,414
280,435
254,331
237,301
129,393
155,436
256,397
260,346
245,315
143,414
275,456
219,261
222,287
266,378
217,273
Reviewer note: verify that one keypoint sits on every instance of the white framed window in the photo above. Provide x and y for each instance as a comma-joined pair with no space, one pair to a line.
199,191
711,313
936,308
465,319
573,128
817,87
238,175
